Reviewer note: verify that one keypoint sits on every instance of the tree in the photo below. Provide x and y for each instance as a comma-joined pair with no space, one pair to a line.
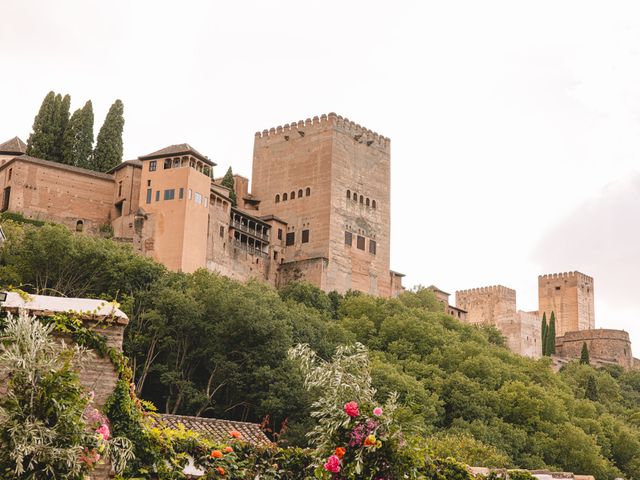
108,152
551,336
584,355
77,145
227,181
63,105
545,331
46,139
591,389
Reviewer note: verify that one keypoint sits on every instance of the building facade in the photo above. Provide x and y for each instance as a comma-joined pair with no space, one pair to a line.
319,208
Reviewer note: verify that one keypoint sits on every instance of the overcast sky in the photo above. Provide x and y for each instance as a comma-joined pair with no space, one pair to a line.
515,125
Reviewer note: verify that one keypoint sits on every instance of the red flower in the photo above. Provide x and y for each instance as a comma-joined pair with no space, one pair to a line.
220,470
351,409
216,454
235,434
228,449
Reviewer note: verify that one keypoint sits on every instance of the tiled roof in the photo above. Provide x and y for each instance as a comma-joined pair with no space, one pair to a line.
62,166
14,145
134,163
178,149
217,430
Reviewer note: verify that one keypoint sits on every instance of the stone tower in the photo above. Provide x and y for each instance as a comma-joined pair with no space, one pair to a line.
570,296
174,192
329,179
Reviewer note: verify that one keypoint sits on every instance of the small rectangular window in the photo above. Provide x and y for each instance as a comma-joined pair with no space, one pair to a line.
291,238
279,234
222,232
190,194
167,164
360,242
119,188
170,194
149,193
152,165
372,247
157,195
198,198
348,238
181,194
10,173
148,183
305,236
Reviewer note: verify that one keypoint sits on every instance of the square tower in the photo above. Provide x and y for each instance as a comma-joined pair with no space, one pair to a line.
175,186
570,296
329,179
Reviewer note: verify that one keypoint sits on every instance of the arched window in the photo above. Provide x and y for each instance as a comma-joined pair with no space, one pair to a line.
278,198
367,202
300,193
355,197
361,198
293,195
79,226
308,191
373,204
284,197
348,194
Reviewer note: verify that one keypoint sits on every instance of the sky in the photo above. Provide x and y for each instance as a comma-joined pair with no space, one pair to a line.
514,126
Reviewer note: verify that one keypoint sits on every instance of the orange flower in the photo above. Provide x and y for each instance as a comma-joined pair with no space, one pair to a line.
235,434
216,454
220,470
370,441
340,451
228,449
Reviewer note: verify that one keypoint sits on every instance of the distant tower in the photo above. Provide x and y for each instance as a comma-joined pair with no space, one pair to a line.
570,296
329,179
175,188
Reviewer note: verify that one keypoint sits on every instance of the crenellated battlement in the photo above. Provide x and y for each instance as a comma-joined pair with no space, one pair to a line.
574,274
499,289
301,127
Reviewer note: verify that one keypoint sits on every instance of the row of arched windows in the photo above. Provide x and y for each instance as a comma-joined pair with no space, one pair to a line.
292,195
360,198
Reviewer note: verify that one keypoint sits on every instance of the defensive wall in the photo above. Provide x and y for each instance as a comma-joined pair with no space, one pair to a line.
605,345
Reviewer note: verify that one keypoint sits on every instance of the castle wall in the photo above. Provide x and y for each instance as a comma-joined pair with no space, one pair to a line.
53,192
530,334
570,296
609,346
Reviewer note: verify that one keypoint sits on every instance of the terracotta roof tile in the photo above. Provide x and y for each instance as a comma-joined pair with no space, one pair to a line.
14,145
178,149
62,166
217,430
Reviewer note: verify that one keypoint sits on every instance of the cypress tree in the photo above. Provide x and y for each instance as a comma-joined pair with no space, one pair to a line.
63,104
227,181
584,355
551,336
591,389
108,152
544,333
41,142
78,138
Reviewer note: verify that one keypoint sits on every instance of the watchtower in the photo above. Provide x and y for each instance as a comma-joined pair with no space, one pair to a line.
570,296
329,179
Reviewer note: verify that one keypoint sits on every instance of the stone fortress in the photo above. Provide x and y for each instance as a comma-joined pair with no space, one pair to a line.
318,210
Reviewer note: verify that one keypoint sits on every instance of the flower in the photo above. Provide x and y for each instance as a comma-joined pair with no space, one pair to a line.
340,451
370,441
216,454
351,409
228,449
235,434
377,411
104,431
333,464
220,470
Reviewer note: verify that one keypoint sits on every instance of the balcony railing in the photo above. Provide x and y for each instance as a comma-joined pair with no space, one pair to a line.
251,231
249,249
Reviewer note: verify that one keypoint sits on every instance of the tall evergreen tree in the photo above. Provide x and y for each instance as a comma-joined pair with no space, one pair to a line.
544,329
551,336
108,152
227,181
77,146
584,355
591,389
63,104
41,142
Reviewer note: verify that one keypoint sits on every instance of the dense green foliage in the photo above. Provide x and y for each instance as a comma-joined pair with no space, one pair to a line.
77,144
48,128
227,181
584,354
108,152
204,344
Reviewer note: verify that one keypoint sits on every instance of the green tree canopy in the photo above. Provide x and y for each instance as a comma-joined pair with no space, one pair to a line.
584,355
550,348
227,181
109,149
46,139
77,146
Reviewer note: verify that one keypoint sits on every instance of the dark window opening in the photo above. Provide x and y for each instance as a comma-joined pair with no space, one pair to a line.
167,164
348,194
348,238
10,174
119,208
152,165
149,193
79,226
293,195
157,195
170,194
291,238
275,255
355,197
373,203
308,192
305,236
222,232
279,234
361,198
181,193
284,197
5,199
278,198
367,202
557,288
148,183
119,189
300,193
372,247
360,242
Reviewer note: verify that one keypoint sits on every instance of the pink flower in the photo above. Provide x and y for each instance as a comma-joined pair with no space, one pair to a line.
104,431
333,464
377,411
351,409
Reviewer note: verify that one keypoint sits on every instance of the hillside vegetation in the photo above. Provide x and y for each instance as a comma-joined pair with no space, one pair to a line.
202,344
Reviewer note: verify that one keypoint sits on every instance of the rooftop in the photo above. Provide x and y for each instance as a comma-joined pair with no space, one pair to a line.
217,430
61,166
13,146
176,150
133,163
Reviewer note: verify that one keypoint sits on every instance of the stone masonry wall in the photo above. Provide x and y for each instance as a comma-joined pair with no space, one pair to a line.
570,296
607,345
